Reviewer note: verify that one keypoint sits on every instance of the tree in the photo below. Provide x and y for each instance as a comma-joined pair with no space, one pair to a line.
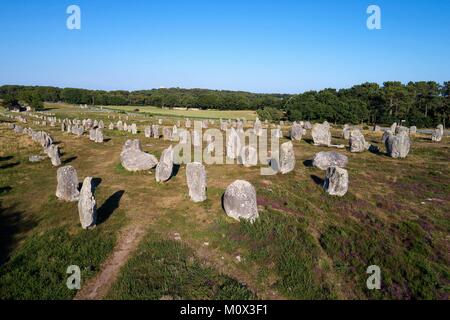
10,102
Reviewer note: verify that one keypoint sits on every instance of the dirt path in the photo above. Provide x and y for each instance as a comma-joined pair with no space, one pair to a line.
96,288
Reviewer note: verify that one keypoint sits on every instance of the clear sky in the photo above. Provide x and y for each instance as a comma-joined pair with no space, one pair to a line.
259,46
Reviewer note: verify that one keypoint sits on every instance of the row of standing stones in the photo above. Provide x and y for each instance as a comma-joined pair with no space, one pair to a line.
239,199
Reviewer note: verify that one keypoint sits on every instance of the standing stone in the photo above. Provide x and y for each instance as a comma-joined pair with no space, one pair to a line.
174,132
249,156
321,134
296,131
413,130
307,125
187,124
239,201
167,133
119,125
53,153
336,181
376,128
346,132
438,133
155,131
257,127
184,136
148,131
393,127
211,145
160,121
164,168
134,159
111,126
87,209
325,159
98,135
357,142
287,157
101,125
398,146
92,134
134,128
67,188
196,181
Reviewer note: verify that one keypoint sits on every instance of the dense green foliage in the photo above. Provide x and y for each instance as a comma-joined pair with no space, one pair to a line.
424,103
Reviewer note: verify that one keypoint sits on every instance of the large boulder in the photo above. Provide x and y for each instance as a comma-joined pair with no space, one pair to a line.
134,159
336,181
196,181
357,142
296,132
67,188
239,201
287,157
321,134
325,159
87,209
398,146
165,166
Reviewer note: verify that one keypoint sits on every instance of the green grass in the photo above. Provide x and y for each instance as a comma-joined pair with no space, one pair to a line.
168,269
192,114
282,241
38,270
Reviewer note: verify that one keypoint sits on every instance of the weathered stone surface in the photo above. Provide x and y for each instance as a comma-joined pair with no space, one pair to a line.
36,158
393,127
296,132
164,168
376,128
357,142
134,159
167,133
134,129
346,131
111,126
92,134
336,181
67,188
183,136
248,156
53,153
398,146
307,125
98,135
87,208
239,201
287,157
412,130
325,159
321,134
211,143
148,131
438,133
187,124
196,181
155,131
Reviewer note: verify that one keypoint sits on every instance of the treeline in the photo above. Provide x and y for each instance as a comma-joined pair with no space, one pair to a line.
423,104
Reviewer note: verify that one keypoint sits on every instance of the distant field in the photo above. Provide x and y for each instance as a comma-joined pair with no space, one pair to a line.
213,114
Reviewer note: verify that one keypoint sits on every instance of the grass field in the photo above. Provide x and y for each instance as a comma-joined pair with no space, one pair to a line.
306,244
160,112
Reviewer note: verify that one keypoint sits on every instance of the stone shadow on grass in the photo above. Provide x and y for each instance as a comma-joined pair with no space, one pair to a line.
69,160
109,206
9,165
13,225
317,180
6,158
308,163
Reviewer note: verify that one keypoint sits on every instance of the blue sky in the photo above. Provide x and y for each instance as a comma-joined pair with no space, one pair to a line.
259,46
